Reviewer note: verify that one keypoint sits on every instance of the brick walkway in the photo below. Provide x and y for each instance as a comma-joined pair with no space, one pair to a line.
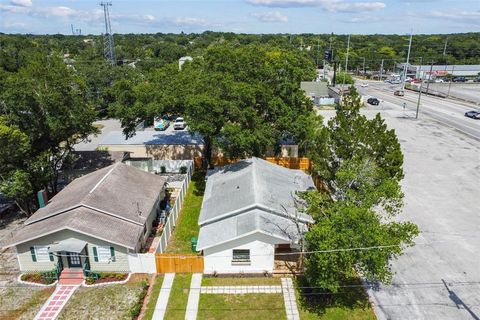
194,297
289,298
162,300
51,309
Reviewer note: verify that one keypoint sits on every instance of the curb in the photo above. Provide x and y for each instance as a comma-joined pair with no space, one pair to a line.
84,284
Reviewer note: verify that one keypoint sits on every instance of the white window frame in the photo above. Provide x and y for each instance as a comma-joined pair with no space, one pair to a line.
104,254
41,252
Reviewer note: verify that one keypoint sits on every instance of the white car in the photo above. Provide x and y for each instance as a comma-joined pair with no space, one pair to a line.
179,124
364,84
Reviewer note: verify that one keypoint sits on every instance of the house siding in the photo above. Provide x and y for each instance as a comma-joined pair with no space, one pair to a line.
28,265
262,249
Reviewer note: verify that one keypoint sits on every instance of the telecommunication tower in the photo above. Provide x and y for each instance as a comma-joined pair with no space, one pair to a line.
108,44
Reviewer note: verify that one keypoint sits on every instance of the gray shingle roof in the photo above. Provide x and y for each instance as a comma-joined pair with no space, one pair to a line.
248,196
153,137
112,203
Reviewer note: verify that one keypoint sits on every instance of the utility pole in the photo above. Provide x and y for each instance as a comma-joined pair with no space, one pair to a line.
381,71
444,53
429,76
318,51
450,82
73,32
108,44
419,96
405,68
346,60
363,66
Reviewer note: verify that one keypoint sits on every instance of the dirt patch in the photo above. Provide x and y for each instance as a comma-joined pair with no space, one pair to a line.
22,302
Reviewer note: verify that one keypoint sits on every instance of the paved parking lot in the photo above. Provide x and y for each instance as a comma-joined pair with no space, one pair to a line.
442,188
467,91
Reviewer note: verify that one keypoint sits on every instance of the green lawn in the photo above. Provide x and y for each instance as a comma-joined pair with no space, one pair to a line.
248,306
152,301
260,281
348,304
177,303
187,224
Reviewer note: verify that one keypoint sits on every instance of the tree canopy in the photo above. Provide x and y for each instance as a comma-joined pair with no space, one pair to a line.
359,163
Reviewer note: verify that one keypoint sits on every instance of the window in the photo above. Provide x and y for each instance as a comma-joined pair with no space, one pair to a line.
241,256
41,252
104,254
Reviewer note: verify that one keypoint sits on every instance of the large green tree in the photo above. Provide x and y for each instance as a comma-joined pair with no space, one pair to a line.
359,164
44,106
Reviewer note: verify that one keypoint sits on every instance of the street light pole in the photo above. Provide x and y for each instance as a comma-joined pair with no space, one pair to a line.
346,60
429,76
405,68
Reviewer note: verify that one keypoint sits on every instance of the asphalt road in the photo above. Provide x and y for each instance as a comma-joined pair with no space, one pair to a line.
438,278
447,111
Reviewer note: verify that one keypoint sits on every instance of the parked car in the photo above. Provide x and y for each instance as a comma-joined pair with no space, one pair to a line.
400,93
473,114
364,84
477,79
161,124
179,124
459,79
439,81
373,101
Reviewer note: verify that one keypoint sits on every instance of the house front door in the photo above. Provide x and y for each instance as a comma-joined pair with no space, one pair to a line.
74,260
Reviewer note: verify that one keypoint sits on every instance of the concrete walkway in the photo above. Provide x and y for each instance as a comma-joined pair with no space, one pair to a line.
194,297
241,289
289,298
55,303
162,300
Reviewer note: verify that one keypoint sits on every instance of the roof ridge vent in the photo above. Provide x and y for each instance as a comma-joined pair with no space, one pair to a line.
101,180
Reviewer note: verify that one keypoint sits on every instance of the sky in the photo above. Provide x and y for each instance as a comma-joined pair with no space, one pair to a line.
243,16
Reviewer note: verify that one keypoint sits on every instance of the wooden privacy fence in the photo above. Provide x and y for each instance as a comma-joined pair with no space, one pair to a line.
287,162
179,263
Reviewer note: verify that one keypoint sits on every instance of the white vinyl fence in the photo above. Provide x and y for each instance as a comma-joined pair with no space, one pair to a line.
175,211
142,262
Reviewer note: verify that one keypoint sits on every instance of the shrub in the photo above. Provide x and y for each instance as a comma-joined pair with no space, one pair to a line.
183,170
135,310
46,277
163,169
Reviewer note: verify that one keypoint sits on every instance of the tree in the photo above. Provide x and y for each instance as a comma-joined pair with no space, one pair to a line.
45,102
348,78
359,163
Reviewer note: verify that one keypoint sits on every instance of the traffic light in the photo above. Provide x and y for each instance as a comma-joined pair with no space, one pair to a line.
328,55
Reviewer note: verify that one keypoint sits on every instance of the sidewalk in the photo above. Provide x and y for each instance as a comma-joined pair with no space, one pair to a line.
194,297
162,300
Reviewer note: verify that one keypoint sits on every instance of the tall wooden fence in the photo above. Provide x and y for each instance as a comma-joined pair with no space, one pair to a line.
179,263
287,162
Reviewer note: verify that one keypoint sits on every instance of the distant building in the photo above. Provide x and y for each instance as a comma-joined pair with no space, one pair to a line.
422,71
317,91
182,60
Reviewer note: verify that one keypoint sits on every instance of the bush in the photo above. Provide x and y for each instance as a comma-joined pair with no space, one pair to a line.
47,277
183,170
135,310
163,169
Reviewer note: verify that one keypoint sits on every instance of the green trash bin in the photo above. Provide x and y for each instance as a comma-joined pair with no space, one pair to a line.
194,244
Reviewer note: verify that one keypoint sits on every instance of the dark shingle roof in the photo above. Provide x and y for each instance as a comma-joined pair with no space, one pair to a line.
112,203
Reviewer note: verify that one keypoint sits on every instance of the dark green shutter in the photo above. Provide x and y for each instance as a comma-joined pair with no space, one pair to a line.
112,253
51,256
34,256
95,255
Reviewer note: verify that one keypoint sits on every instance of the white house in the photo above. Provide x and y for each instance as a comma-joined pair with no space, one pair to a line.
249,211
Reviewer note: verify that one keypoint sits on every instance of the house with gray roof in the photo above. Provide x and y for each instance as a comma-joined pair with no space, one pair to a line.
171,145
94,223
249,210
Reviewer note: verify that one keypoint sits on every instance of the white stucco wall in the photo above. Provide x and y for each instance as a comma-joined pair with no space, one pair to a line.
262,249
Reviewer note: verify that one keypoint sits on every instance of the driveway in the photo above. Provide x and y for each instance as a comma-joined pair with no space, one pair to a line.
438,278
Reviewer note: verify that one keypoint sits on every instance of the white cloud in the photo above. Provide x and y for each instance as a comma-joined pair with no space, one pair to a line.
21,3
61,12
273,16
328,5
189,21
464,18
